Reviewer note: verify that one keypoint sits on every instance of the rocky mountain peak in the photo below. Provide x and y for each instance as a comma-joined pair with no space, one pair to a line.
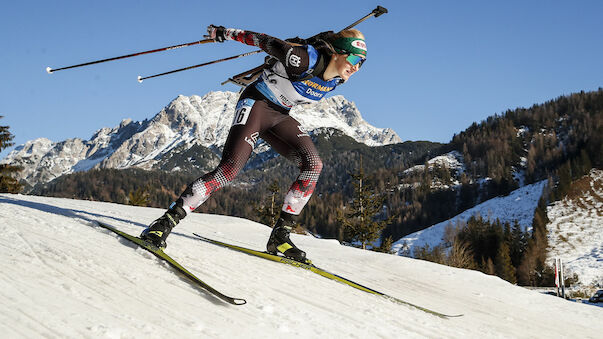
184,122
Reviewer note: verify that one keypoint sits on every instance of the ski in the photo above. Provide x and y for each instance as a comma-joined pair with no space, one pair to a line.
322,272
162,255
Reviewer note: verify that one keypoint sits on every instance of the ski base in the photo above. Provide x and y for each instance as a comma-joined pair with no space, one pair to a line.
320,271
162,255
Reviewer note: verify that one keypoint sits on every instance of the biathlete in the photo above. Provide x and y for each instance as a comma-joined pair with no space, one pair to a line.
302,74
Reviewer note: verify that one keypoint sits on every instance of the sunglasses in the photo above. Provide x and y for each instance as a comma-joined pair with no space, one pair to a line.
354,59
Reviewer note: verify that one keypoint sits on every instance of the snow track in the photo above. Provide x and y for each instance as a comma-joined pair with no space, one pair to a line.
63,276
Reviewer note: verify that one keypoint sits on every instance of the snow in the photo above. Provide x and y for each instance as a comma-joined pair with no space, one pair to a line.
518,205
576,231
453,161
63,276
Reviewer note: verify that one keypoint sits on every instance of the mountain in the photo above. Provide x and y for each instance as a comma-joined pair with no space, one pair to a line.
185,123
63,276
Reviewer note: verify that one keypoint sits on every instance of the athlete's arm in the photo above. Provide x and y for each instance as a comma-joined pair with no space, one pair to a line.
294,57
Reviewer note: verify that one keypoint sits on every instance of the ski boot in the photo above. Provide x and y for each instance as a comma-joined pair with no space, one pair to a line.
279,241
159,229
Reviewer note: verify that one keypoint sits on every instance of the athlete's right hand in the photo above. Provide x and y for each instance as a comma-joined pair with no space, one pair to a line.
216,33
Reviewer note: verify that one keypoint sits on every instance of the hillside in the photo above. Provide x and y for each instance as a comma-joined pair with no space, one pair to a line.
576,229
519,205
65,277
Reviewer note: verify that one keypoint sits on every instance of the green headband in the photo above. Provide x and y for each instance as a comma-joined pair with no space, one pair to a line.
350,46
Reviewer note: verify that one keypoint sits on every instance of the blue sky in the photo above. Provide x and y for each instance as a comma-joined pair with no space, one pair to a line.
433,67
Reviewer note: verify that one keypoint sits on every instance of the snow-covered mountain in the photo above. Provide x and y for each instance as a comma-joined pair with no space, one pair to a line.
185,122
65,277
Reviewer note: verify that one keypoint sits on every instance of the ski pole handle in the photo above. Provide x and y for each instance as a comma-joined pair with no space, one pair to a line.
205,41
376,12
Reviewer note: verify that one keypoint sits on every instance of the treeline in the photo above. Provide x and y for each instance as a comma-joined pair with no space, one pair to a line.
496,249
340,154
112,185
489,246
544,135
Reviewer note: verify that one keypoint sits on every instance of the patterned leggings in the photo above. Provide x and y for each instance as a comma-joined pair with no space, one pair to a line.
256,117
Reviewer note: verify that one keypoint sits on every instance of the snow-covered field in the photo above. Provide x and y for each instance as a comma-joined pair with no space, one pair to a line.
63,276
518,205
576,230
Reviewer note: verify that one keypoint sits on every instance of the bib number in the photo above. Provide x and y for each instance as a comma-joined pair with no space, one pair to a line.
242,111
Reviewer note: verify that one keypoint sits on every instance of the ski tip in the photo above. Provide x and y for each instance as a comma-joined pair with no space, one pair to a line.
139,79
49,70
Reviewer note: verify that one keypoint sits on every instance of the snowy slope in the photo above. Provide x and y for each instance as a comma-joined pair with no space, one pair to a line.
518,205
576,230
63,276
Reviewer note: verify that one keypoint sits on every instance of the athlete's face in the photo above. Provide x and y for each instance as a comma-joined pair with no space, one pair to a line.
344,67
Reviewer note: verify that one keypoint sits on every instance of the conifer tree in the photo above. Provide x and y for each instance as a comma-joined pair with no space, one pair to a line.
267,210
386,246
139,197
517,244
504,267
359,219
8,184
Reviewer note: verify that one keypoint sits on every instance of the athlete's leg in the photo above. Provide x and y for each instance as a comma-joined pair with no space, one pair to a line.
289,139
241,139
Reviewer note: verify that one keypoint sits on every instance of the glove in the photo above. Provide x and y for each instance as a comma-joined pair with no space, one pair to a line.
216,33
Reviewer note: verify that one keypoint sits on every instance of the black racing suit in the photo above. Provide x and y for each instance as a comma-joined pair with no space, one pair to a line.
263,112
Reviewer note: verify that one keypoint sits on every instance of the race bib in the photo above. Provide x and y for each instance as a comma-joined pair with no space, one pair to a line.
242,111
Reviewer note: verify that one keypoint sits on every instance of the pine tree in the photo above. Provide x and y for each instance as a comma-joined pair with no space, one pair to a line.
139,197
518,244
359,218
386,246
267,210
489,267
504,267
8,184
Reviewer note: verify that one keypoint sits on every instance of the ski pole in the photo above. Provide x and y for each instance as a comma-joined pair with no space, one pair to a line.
140,79
245,78
50,70
376,12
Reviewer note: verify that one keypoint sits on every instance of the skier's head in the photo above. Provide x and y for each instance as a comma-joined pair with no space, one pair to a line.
350,52
350,41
